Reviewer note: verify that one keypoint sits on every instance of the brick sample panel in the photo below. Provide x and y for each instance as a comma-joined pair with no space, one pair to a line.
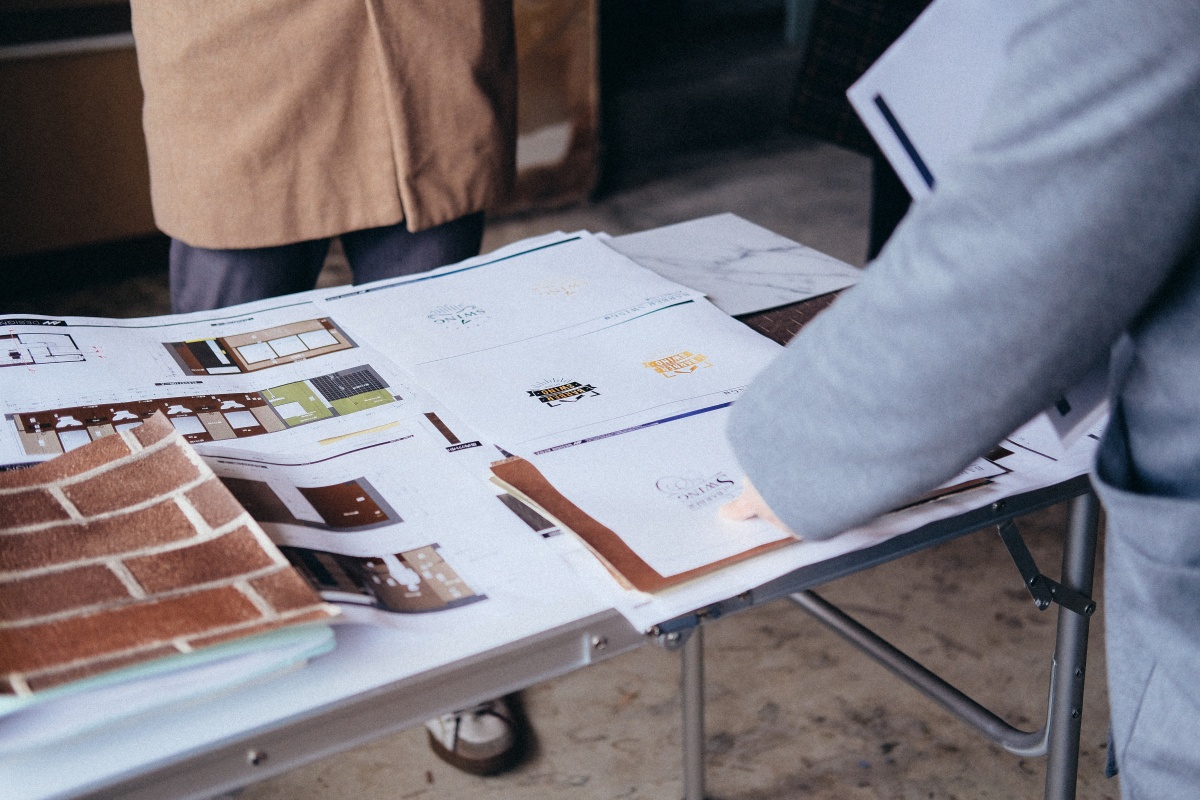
129,549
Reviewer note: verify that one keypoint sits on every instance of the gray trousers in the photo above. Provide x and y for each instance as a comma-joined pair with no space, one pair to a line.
203,278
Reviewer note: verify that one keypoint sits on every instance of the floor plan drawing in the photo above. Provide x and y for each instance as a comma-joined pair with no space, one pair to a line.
255,350
26,349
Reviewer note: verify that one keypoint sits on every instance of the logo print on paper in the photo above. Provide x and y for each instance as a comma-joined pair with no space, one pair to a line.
694,491
681,363
557,391
563,286
456,314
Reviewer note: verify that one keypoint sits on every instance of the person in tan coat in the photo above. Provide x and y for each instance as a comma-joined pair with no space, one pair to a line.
273,126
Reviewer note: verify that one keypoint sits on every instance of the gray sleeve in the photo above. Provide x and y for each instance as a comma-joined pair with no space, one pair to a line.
1037,249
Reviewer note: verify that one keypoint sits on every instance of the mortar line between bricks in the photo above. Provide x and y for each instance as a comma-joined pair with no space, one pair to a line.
193,515
265,541
20,686
148,599
150,550
123,510
161,444
135,589
65,503
257,600
131,441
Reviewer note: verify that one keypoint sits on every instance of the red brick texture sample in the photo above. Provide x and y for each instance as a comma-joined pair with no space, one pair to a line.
120,532
215,503
32,506
35,647
227,557
84,459
138,481
129,549
284,590
59,591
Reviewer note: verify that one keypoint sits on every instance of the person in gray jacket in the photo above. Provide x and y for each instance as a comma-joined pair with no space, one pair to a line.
1069,231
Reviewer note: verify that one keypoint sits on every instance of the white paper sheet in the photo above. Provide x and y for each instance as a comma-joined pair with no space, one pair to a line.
922,100
557,286
1027,471
74,712
132,367
660,486
673,359
362,519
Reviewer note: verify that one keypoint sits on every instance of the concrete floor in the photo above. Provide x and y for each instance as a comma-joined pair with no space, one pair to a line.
792,711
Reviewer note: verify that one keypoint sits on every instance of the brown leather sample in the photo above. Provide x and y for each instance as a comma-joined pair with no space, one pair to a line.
129,549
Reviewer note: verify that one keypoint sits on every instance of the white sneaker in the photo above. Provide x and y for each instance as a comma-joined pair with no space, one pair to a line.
482,740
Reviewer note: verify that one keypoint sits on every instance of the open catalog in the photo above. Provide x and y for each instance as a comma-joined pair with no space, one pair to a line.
468,456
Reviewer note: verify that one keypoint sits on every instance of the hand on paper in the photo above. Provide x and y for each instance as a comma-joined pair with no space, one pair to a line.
750,504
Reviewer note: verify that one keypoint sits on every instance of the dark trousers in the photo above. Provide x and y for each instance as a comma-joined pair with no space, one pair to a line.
202,278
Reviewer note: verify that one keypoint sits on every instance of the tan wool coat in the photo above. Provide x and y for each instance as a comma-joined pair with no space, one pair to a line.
276,121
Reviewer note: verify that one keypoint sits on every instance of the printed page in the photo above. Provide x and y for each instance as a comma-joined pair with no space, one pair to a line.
923,99
399,529
534,395
261,371
1021,471
547,290
658,485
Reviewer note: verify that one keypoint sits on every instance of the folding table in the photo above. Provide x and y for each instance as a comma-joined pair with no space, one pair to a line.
347,697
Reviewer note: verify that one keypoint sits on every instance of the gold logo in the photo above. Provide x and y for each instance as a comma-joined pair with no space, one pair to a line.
679,364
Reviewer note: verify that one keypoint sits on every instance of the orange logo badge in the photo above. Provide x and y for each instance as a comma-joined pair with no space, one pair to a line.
679,364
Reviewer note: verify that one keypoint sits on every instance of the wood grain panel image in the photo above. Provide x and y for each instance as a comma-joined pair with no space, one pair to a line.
352,505
255,350
412,582
208,418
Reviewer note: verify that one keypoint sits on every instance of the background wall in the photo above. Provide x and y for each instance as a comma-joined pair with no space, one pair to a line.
72,158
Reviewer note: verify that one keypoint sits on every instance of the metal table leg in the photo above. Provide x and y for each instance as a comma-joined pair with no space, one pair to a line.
691,663
1059,738
1070,651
